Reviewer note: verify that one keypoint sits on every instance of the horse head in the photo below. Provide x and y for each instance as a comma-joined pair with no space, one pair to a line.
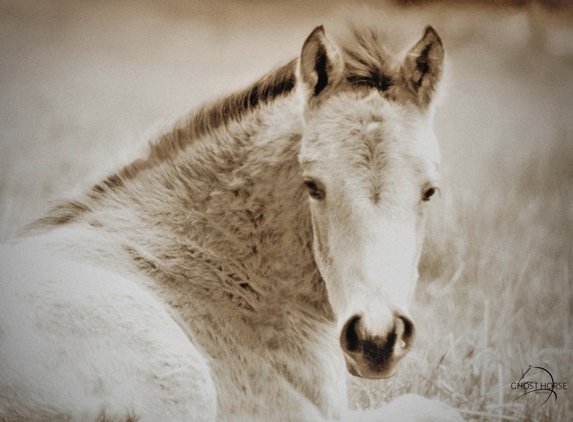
370,160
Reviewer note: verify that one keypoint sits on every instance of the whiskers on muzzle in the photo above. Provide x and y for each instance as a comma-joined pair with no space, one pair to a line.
375,355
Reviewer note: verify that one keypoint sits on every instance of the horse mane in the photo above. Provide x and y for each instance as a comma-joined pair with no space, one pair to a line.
207,119
214,115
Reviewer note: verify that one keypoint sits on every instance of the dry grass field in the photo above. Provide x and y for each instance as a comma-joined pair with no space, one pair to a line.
82,83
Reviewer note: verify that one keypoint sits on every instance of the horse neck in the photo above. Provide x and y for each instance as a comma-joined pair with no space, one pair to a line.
227,219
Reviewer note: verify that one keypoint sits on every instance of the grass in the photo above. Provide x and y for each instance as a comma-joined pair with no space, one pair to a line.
495,294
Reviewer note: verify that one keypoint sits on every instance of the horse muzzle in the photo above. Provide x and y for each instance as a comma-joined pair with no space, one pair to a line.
373,355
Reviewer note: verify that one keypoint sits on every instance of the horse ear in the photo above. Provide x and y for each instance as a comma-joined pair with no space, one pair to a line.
422,67
320,64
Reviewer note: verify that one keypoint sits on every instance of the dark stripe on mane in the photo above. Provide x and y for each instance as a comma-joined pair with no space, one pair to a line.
279,82
61,214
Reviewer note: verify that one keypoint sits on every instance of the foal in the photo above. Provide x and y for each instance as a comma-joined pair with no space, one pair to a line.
267,245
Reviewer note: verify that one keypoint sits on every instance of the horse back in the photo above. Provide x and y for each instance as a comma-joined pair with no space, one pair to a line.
78,342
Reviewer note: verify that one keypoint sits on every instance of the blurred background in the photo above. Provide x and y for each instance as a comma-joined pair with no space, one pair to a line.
83,82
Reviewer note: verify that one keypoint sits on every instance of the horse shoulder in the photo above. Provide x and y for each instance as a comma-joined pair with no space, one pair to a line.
80,343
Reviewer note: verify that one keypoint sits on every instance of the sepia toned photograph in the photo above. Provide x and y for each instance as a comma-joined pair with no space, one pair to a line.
255,210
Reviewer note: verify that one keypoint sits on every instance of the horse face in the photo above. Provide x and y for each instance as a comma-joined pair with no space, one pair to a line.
370,165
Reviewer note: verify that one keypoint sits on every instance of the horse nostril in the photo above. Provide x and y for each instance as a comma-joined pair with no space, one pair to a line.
349,338
408,331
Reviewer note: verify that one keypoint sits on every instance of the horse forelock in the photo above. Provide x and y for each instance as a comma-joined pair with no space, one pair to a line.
372,53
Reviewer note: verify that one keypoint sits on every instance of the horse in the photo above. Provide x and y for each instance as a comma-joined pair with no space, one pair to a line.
266,245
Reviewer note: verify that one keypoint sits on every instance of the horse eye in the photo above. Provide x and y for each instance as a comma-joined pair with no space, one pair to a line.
314,190
428,194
